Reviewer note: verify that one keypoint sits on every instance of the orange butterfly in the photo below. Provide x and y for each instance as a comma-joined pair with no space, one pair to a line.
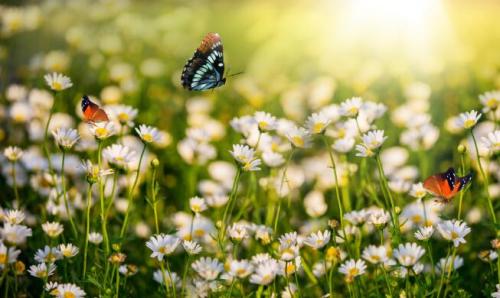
92,112
446,185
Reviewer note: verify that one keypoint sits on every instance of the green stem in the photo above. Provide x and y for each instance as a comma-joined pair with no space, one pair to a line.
87,228
104,229
334,168
387,191
485,179
232,197
277,215
14,182
65,196
184,275
131,193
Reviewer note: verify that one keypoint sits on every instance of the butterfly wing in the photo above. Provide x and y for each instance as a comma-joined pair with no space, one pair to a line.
92,112
100,116
205,70
443,185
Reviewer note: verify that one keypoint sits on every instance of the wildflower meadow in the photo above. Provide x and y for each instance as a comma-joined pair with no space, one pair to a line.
305,149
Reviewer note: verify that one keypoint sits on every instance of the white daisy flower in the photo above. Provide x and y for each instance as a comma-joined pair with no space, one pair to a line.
350,107
408,254
240,268
497,293
197,204
13,153
41,270
445,263
69,290
356,217
95,238
162,245
14,217
265,121
453,230
378,217
52,229
273,159
265,272
7,256
148,134
245,156
57,81
317,123
170,278
490,100
424,233
48,255
191,247
119,156
318,240
492,141
65,138
418,190
352,268
298,136
93,172
375,254
68,250
103,130
207,268
374,139
124,114
343,145
15,234
468,119
238,231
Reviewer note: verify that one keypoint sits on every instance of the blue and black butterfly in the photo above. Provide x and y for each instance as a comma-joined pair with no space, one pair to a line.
205,70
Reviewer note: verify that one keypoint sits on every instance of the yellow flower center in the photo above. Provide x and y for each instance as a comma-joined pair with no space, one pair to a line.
491,103
353,271
353,111
241,271
41,274
469,123
266,279
199,233
162,250
454,235
318,127
147,137
298,141
101,132
416,218
263,125
69,295
57,86
290,268
123,117
3,259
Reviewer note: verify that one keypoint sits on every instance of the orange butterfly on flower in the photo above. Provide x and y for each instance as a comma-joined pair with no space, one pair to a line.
92,112
446,185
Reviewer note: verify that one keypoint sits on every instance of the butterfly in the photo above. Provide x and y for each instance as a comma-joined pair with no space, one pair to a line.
446,185
205,70
92,112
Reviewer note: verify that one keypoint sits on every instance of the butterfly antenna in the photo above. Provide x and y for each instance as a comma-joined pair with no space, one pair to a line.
235,74
231,75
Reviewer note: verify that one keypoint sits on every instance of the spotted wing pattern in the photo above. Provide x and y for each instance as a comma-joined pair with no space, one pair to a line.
205,70
446,185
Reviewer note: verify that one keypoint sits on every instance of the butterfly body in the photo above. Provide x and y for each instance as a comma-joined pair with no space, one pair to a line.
205,70
446,185
92,112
